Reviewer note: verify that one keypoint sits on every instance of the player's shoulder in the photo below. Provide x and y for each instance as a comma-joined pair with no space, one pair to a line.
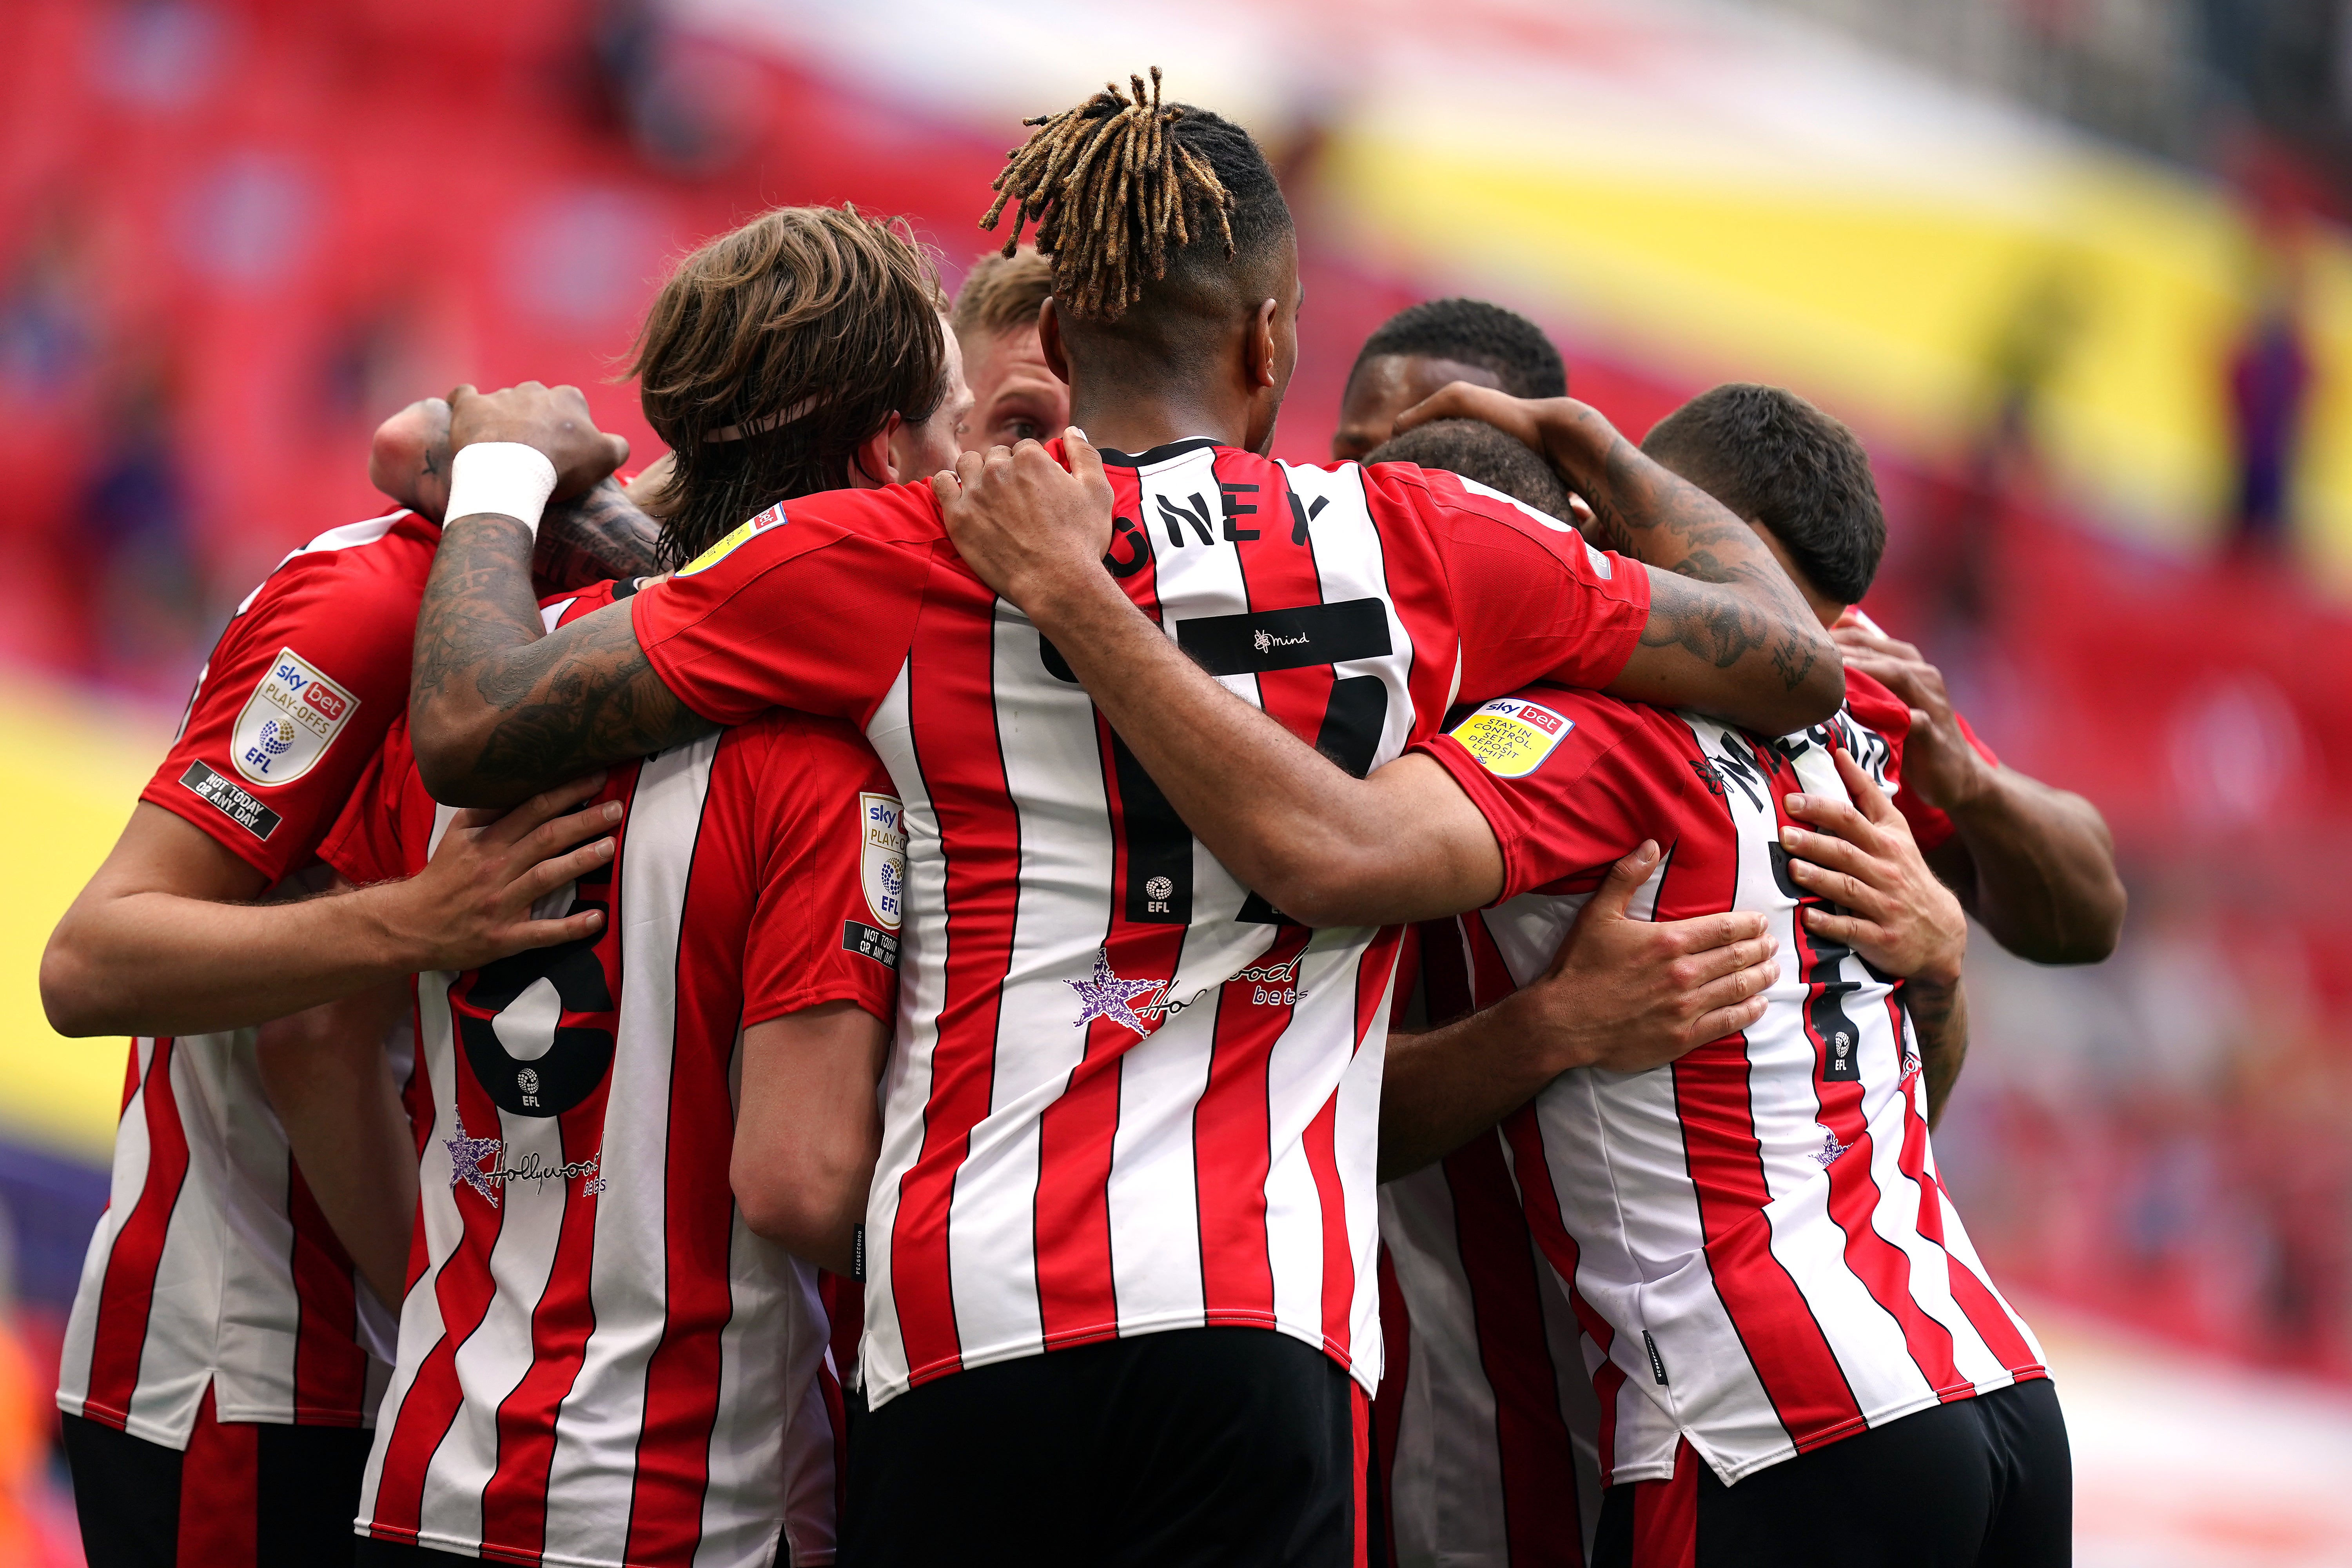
362,579
1561,729
905,514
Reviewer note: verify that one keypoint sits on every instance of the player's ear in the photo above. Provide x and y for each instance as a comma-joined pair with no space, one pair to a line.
1049,340
1259,349
871,463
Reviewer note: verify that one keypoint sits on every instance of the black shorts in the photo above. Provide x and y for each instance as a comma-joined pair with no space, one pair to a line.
1986,1481
1227,1447
243,1495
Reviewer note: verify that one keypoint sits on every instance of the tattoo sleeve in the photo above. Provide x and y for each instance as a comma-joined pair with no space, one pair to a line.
1717,592
597,535
1939,1016
497,708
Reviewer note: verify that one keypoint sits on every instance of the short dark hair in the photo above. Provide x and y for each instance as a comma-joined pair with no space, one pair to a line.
1141,203
1478,450
773,351
1779,461
1471,331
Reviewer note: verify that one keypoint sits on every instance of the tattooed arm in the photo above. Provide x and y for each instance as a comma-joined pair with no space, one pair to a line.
1727,633
496,704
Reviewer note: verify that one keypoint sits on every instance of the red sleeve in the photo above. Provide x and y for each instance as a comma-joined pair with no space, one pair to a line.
1531,599
295,700
377,837
1570,780
832,871
809,606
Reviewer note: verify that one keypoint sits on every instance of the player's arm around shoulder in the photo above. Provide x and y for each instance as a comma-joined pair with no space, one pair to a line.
499,707
1726,633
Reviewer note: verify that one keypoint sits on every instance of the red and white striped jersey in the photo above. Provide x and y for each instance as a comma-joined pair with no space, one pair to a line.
1767,1253
1486,1418
599,1362
211,1264
1126,1095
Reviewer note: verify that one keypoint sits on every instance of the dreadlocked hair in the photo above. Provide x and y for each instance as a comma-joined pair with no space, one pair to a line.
773,351
1123,186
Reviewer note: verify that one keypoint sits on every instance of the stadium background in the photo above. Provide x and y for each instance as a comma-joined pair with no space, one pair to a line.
2076,271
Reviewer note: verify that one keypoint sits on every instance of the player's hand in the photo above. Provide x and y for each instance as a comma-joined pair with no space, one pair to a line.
1863,858
555,419
408,458
473,901
1937,760
1631,995
1574,437
1025,523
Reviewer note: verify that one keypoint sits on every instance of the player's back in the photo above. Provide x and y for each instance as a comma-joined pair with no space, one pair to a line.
599,1361
1759,1229
1127,1094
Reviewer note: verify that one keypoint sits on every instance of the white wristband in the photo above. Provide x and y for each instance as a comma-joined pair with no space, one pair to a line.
507,477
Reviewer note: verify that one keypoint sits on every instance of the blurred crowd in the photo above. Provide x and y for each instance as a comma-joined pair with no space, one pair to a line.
233,237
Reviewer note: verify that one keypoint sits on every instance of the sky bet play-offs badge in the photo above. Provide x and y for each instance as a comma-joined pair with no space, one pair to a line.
726,546
1511,738
289,722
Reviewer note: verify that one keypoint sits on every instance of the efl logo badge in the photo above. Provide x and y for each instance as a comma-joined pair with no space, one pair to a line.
727,546
1511,738
288,722
882,858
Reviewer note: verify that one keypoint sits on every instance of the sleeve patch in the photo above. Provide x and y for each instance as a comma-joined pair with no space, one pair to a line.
287,725
728,544
1511,738
882,864
223,796
880,946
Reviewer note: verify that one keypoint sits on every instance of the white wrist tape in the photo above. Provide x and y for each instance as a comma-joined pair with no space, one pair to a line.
503,477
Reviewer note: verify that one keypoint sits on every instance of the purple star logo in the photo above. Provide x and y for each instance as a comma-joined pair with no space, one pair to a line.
466,1157
1106,996
1831,1147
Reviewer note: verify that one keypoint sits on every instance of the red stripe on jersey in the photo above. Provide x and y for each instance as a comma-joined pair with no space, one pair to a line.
1339,1257
1792,1356
329,1369
1418,579
683,1379
462,1292
1532,1440
1076,1293
1359,1452
1665,1515
220,1491
129,1292
951,710
1883,1269
1490,977
1539,1200
1388,1406
1232,1147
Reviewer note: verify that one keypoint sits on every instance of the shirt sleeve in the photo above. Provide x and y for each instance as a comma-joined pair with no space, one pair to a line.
367,843
1531,599
293,703
1570,780
809,605
832,873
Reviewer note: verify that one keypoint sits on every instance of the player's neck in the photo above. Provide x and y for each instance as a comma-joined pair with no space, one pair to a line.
1126,422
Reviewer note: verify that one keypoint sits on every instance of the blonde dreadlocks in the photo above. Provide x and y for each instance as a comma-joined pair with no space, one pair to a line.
1113,194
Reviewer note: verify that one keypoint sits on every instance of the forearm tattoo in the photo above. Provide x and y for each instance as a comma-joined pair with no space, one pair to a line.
557,704
597,535
1676,527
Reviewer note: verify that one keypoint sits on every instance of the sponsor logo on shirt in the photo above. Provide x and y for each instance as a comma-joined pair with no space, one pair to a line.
1511,738
732,541
231,801
1140,1004
287,725
882,861
467,1156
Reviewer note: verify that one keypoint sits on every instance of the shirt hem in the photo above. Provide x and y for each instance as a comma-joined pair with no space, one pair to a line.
489,1551
880,1391
1856,1426
139,1426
